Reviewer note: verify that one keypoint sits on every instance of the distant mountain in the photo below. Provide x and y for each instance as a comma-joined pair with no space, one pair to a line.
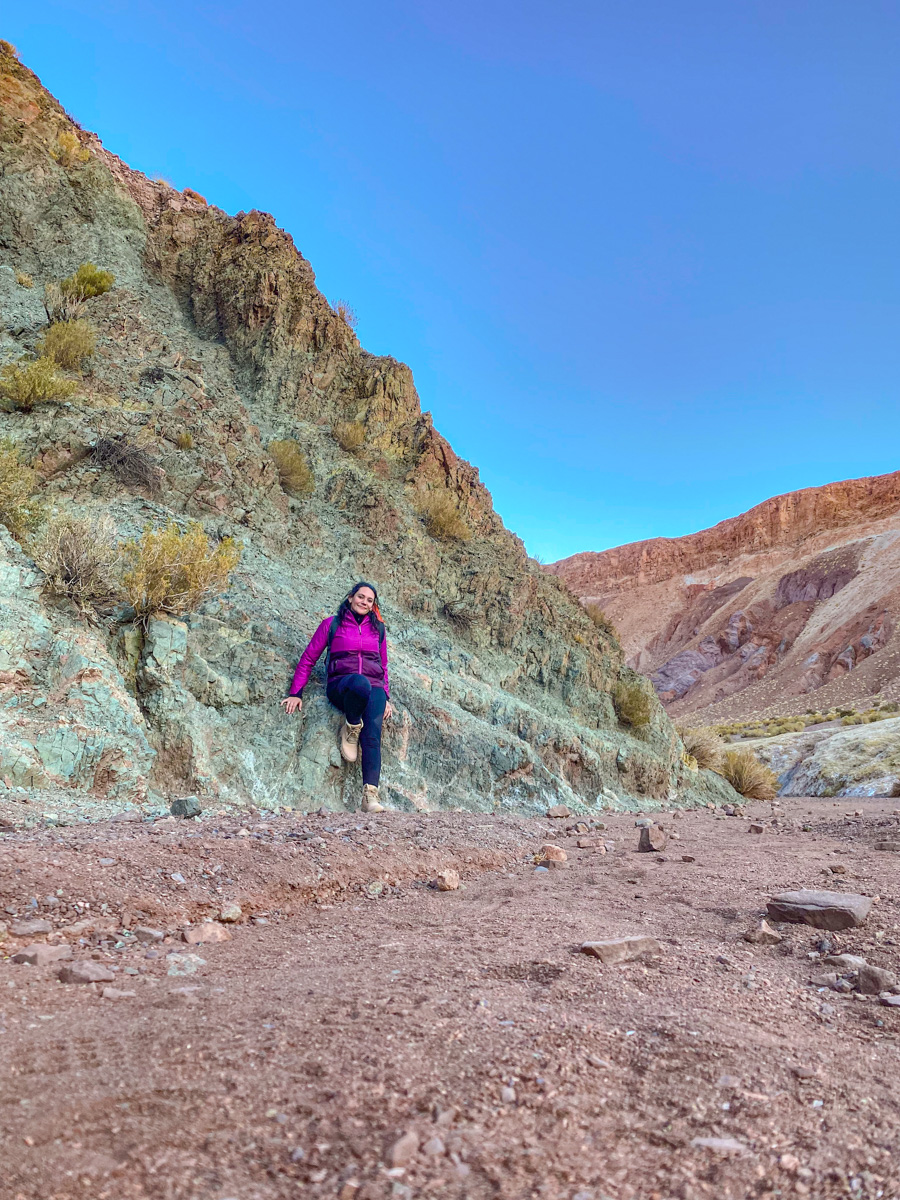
792,605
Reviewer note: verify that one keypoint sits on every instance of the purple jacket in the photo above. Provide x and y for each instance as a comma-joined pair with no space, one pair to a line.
355,650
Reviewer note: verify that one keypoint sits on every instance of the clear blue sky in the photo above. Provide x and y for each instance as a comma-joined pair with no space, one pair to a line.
642,256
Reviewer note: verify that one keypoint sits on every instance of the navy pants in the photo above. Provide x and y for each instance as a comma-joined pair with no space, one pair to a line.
360,700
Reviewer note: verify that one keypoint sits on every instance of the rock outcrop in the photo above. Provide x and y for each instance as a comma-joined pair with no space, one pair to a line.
213,343
792,605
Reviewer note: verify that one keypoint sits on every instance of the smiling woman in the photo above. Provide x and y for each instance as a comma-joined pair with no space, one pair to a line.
356,681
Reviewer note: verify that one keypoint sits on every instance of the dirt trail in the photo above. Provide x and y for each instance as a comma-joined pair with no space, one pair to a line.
300,1051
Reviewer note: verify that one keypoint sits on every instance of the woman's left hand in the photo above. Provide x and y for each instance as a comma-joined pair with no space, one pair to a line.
388,711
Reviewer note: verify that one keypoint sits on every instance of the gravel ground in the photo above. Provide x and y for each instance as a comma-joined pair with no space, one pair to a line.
363,1035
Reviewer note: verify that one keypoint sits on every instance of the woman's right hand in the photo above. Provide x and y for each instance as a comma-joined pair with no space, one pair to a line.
291,704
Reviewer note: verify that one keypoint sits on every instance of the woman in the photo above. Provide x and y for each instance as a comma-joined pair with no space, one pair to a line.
356,681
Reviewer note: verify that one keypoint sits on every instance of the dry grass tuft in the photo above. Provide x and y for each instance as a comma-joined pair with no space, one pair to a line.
26,384
632,703
68,343
59,307
79,556
350,435
601,620
748,775
68,150
190,194
293,466
346,313
185,440
704,745
23,279
130,464
20,511
88,281
442,518
170,571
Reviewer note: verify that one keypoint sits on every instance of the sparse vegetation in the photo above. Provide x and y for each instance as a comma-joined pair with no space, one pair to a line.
68,150
601,620
346,313
170,571
20,510
59,307
23,279
190,194
79,556
68,343
704,746
293,466
442,517
8,48
350,435
777,726
632,703
25,384
129,463
87,282
748,775
185,440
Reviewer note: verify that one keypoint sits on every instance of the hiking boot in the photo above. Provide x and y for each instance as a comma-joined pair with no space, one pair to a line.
370,802
350,741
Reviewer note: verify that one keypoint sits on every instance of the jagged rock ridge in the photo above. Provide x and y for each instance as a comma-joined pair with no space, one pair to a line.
791,605
502,687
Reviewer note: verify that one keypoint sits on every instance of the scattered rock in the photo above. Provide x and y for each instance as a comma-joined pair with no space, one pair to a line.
507,1095
111,993
146,935
803,1072
434,1147
822,910
184,964
890,999
763,934
185,807
875,980
40,954
127,814
551,854
86,971
652,838
229,913
757,827
895,846
621,949
827,979
591,843
403,1150
208,931
447,880
844,962
559,811
726,1146
30,928
643,823
688,858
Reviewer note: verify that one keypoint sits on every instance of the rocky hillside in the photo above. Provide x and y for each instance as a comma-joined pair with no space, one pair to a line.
214,343
792,605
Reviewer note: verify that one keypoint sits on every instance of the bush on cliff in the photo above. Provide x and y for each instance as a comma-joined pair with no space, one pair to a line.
79,556
20,510
346,313
68,150
25,384
68,343
170,571
601,620
294,470
632,703
350,435
748,775
88,281
442,518
703,745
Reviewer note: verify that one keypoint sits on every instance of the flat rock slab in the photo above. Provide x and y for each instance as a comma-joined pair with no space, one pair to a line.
726,1146
208,931
895,846
40,954
822,910
30,928
621,949
87,971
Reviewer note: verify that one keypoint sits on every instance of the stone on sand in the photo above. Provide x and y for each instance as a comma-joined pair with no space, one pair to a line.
207,931
621,949
86,971
822,910
652,838
40,954
447,880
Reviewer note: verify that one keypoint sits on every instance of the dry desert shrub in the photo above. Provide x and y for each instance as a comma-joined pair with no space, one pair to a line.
190,194
184,440
346,313
23,279
173,571
350,435
703,745
88,281
68,150
79,556
25,384
130,464
631,701
20,511
748,775
59,307
68,343
601,620
294,470
442,518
